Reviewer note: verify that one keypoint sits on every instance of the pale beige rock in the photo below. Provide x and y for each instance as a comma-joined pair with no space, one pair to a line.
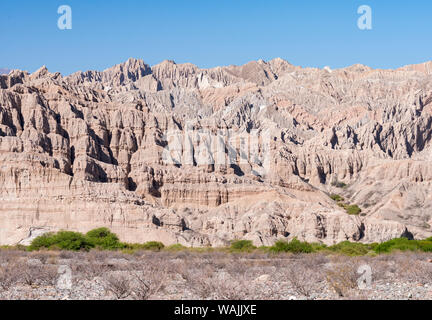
179,154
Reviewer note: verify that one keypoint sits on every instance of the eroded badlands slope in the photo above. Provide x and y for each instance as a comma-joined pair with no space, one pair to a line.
202,156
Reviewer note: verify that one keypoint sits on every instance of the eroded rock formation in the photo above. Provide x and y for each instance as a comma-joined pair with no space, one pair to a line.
176,153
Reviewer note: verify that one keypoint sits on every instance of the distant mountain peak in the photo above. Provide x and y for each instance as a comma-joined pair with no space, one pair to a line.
425,67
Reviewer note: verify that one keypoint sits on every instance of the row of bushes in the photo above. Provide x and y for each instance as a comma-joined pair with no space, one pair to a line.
345,248
404,244
104,239
101,238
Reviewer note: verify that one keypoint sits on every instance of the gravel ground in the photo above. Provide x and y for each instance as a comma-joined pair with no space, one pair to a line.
183,275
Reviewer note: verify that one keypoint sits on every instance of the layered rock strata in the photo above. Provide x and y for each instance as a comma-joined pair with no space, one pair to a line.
179,154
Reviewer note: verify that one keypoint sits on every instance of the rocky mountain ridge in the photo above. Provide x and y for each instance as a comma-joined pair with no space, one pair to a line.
180,154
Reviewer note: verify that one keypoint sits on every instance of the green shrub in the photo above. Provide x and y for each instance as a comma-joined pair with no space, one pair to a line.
403,244
353,209
350,209
100,233
263,248
44,241
425,245
153,245
176,247
336,197
339,184
242,245
318,246
295,246
372,246
103,238
68,240
350,248
63,240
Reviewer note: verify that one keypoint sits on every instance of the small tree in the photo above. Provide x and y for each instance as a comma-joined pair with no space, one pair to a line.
64,240
103,238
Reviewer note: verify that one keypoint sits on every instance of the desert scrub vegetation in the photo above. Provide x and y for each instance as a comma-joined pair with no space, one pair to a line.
350,248
223,278
351,209
403,244
151,245
339,184
188,274
337,198
176,247
295,246
63,240
342,278
285,270
304,275
100,238
104,239
242,245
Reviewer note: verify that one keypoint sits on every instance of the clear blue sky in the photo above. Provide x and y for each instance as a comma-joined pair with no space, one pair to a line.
209,33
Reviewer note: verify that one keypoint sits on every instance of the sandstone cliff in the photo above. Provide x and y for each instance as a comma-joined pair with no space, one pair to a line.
176,153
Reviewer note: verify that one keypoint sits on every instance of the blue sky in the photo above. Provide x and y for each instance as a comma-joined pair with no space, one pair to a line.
207,33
